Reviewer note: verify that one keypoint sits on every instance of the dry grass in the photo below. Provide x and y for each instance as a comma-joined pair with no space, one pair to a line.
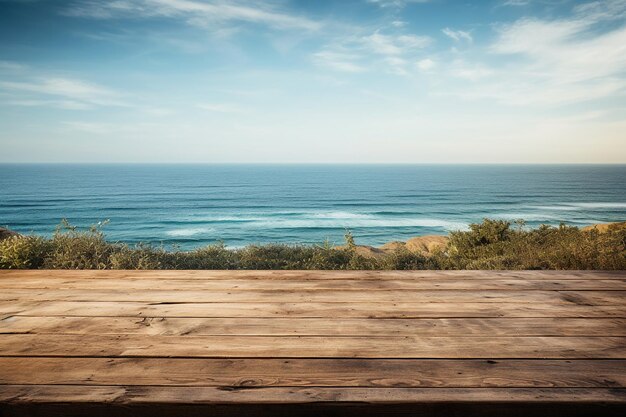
492,244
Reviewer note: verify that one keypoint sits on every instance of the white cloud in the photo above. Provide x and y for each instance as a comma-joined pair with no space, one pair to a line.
338,61
358,53
89,127
220,107
381,44
457,35
552,62
198,13
396,65
413,41
425,64
564,51
61,104
68,93
597,11
158,111
11,66
396,4
468,71
528,36
394,45
516,3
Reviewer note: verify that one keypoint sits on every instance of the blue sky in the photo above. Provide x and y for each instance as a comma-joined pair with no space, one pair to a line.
384,81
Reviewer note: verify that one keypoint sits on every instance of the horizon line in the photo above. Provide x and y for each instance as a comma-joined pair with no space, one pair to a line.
299,163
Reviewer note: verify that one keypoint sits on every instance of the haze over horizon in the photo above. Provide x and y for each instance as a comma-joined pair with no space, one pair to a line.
367,81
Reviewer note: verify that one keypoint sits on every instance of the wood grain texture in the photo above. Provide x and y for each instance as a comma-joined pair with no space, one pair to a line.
211,395
312,343
330,327
295,285
308,275
348,309
318,296
101,401
313,346
386,373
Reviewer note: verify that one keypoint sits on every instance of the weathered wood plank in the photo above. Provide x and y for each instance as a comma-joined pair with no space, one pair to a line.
138,401
347,309
309,347
212,395
306,274
314,372
317,295
133,284
338,327
496,341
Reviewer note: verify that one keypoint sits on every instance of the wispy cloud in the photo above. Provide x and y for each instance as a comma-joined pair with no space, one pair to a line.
601,10
516,3
560,61
188,71
339,61
426,64
360,53
61,92
397,4
458,35
566,50
220,107
198,13
89,127
394,45
11,66
470,71
61,104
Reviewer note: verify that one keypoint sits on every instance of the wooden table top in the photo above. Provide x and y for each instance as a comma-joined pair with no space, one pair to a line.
312,343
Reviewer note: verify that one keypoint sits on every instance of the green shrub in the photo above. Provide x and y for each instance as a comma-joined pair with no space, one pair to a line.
495,245
24,252
75,249
492,244
210,257
141,257
404,259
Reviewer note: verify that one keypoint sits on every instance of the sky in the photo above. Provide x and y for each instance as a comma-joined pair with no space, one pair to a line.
295,81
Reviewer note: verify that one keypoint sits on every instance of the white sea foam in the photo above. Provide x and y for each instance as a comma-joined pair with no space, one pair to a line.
586,222
342,215
556,208
356,222
311,220
285,214
525,216
600,205
189,232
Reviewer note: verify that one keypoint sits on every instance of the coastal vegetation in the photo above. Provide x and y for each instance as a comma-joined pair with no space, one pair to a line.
492,244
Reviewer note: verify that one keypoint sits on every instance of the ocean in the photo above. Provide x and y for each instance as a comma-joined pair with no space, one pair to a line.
189,206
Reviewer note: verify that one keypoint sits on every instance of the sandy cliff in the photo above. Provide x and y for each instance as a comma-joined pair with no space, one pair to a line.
603,227
427,245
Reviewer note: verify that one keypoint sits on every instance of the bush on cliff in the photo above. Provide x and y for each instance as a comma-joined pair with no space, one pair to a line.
495,244
492,244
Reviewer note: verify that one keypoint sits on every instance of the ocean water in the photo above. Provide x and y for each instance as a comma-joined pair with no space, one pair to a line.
194,205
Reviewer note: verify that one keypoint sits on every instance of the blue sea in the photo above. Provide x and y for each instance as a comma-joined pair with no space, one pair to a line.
194,205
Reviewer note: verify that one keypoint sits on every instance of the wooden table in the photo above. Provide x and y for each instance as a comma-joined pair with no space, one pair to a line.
292,343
